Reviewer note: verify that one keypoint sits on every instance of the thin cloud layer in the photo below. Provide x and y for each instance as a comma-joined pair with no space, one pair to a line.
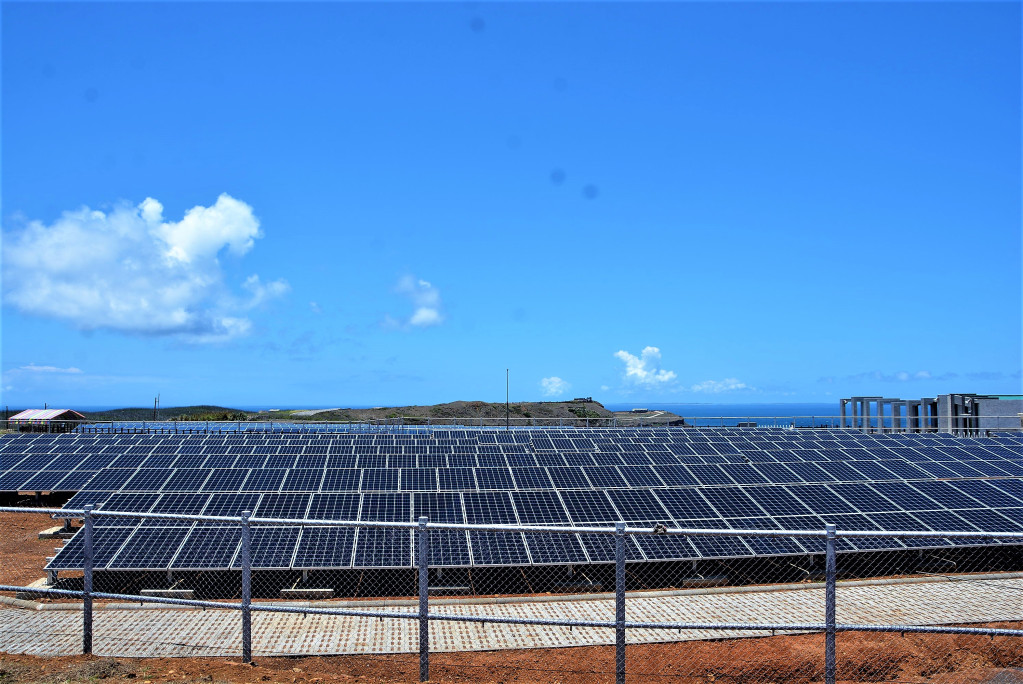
554,386
645,369
33,368
719,386
130,271
897,376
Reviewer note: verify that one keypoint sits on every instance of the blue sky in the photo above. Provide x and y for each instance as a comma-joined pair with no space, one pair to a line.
363,204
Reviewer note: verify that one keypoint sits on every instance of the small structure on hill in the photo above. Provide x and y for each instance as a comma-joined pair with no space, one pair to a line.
46,420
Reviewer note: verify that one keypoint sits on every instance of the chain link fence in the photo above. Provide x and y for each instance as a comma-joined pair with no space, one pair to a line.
751,605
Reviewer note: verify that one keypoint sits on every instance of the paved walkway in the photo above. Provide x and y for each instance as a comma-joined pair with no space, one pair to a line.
177,632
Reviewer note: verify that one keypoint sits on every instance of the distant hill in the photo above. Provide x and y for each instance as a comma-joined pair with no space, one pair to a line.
490,413
172,413
576,412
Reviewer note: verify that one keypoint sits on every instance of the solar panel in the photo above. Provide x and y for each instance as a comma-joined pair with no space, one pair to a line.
695,478
554,549
498,548
208,547
148,548
383,548
272,547
489,508
325,547
539,508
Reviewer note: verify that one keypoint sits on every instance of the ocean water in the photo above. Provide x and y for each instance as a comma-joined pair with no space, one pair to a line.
736,410
780,414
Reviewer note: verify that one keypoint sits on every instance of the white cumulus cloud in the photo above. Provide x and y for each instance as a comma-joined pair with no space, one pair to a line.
130,270
554,386
425,300
645,369
718,386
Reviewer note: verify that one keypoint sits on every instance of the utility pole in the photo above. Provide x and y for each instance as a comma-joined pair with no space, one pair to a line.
507,405
156,405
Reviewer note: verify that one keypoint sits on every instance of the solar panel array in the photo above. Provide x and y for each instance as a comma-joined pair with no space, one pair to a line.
707,478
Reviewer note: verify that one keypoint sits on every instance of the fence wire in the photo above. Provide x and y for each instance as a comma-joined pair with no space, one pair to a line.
749,605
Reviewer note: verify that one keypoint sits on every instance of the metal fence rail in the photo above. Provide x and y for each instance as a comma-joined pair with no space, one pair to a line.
423,615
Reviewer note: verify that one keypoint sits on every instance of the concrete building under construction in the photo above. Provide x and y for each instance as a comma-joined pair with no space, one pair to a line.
957,413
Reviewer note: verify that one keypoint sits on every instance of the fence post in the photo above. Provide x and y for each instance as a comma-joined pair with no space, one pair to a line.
829,606
87,553
619,603
424,588
246,587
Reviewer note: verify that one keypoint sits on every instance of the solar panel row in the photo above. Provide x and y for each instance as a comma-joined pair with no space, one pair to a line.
775,479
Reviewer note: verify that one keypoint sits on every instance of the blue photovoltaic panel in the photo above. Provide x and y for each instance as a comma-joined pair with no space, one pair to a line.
447,548
148,548
699,478
776,501
340,480
224,480
601,548
732,502
539,508
283,505
456,479
498,548
272,547
419,479
379,480
107,541
545,549
589,507
383,548
820,499
638,504
325,547
494,478
232,505
334,506
181,502
438,507
605,477
389,507
209,547
264,480
489,508
666,546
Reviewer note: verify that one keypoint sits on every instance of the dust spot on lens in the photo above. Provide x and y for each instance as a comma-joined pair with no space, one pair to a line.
514,142
557,176
591,191
477,25
91,94
560,84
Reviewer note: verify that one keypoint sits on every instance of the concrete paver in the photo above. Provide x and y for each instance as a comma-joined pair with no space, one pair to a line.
177,632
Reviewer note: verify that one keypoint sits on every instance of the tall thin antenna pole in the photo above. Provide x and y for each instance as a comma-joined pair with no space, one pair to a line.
507,406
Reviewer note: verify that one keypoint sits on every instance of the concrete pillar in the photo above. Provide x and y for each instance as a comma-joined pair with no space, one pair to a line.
841,411
912,416
856,414
897,417
866,414
929,412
